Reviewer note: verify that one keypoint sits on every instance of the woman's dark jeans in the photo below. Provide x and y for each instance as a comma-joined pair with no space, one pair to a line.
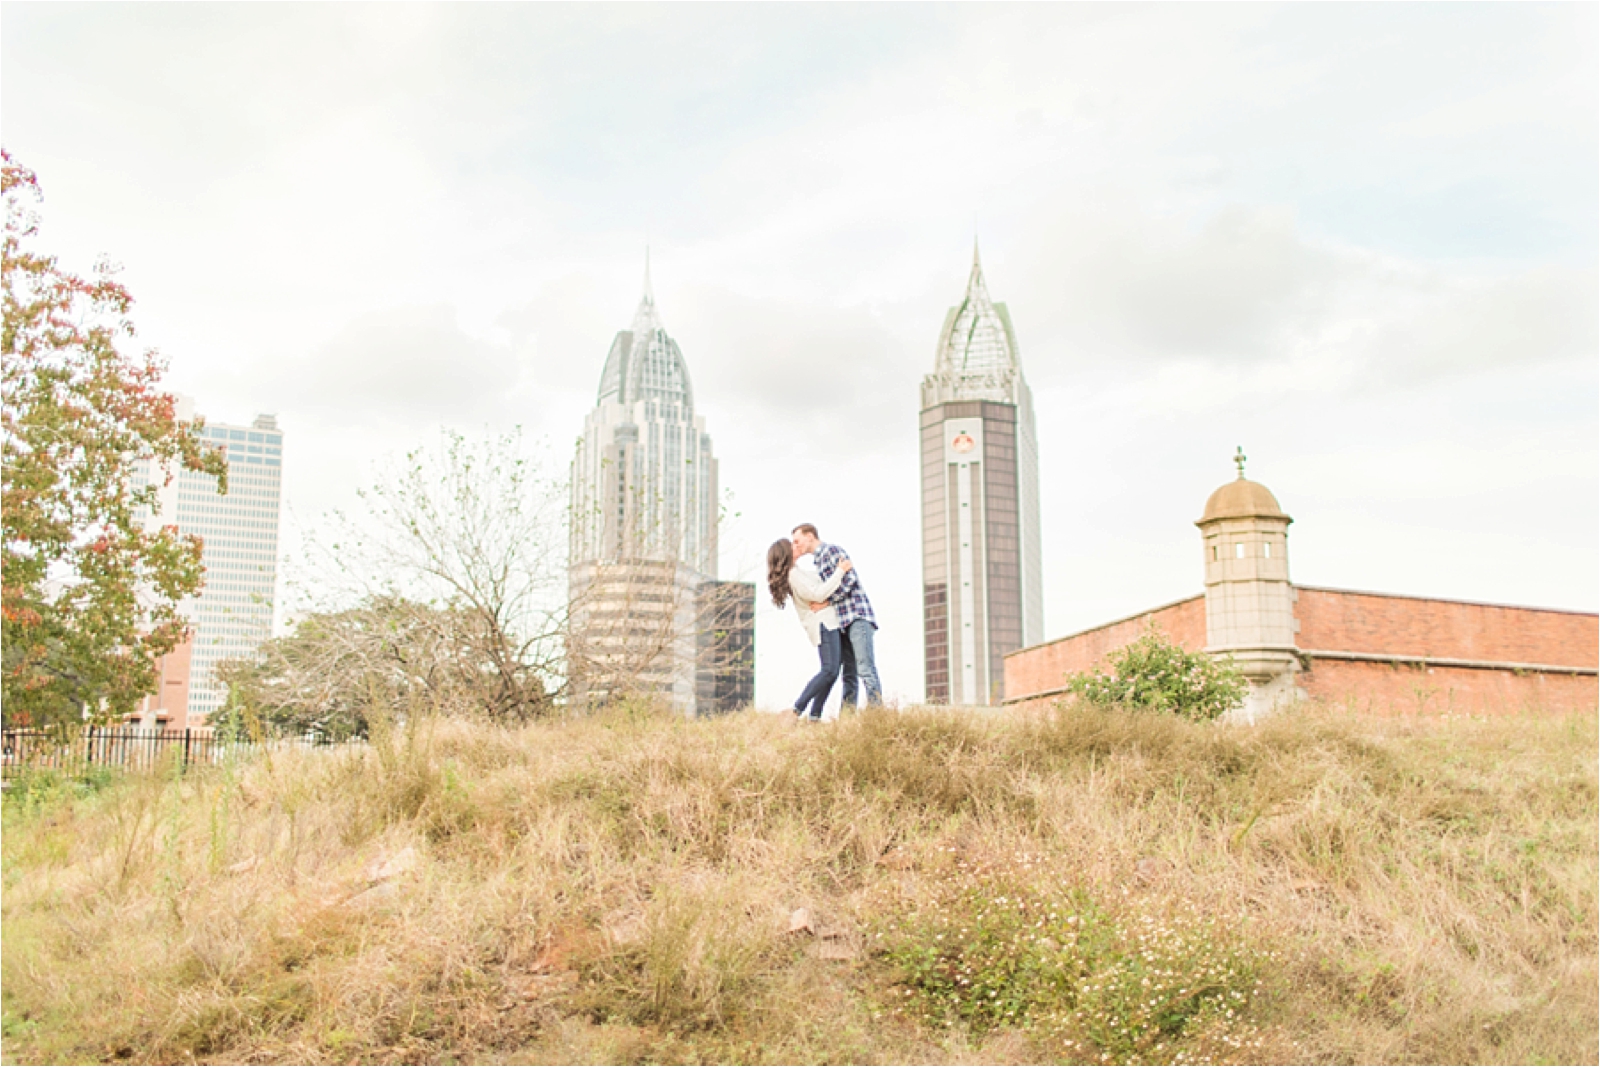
817,690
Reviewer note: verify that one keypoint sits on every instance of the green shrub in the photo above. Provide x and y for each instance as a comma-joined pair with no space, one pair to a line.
1156,675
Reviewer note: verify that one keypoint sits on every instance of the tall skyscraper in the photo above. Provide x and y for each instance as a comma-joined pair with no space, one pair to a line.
981,588
644,535
232,614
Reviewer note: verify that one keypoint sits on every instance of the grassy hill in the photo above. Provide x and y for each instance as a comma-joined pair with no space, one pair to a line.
917,886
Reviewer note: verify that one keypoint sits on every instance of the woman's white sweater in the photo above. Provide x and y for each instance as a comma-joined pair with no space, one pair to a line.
805,588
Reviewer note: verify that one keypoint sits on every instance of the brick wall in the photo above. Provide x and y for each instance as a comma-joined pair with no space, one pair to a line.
1336,620
1343,621
1044,668
1380,688
168,706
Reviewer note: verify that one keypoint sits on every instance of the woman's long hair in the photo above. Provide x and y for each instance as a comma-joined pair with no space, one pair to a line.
780,557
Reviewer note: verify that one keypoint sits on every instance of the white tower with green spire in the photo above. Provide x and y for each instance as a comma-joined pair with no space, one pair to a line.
982,595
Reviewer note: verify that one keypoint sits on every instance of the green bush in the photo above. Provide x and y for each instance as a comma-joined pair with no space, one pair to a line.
1157,675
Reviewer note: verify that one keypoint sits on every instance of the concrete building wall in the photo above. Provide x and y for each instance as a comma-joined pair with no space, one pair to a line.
1247,584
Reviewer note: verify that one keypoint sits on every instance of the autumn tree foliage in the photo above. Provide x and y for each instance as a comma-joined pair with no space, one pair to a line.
90,593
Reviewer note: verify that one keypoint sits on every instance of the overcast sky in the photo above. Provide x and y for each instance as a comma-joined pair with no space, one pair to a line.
1358,240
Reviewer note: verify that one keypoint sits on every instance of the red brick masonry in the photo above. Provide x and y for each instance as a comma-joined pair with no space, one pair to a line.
1042,670
1377,652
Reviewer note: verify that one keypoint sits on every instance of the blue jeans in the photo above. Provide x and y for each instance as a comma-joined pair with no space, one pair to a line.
817,690
859,664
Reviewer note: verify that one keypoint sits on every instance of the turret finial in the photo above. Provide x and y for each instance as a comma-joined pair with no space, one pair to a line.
1238,460
649,290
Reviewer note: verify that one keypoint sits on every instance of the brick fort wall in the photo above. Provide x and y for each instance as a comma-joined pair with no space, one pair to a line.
1042,670
1429,644
1374,652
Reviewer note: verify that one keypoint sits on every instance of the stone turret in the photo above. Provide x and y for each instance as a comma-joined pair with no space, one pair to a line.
1249,601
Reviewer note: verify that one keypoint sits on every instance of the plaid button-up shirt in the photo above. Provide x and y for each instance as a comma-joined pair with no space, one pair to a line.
849,600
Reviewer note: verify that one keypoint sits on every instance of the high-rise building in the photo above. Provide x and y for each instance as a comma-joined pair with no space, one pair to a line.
981,588
231,616
725,640
644,532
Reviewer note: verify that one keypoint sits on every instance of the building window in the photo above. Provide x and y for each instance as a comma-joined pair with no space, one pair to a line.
1215,554
1266,550
1238,550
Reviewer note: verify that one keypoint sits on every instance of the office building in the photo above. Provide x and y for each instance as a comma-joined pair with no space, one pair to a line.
644,531
232,614
982,595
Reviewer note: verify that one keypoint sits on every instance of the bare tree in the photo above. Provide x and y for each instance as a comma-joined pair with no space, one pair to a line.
324,676
474,531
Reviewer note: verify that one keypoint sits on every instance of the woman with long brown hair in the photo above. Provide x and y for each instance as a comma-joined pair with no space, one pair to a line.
787,581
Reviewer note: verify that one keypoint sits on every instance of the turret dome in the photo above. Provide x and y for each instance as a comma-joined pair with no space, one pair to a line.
1242,499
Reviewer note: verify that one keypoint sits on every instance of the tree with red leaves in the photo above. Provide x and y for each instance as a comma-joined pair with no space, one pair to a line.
90,592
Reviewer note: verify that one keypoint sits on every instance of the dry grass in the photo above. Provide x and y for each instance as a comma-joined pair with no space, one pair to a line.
983,888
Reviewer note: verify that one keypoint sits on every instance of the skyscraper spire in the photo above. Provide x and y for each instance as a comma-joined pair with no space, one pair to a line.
646,320
975,284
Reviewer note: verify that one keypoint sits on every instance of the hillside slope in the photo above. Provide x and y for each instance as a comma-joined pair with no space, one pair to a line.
917,886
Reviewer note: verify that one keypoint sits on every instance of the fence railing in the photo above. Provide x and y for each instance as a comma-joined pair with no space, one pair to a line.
125,748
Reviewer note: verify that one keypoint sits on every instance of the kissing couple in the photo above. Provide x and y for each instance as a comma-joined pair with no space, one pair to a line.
834,612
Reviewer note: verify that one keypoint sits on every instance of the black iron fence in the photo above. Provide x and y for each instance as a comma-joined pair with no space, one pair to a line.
122,747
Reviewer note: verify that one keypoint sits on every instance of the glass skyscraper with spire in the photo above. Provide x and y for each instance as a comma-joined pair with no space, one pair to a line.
982,595
648,614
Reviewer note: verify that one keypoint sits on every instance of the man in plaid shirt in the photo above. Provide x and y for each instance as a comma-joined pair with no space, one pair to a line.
857,623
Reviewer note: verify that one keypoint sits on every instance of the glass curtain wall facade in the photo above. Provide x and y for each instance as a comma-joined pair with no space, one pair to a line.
982,595
644,525
232,614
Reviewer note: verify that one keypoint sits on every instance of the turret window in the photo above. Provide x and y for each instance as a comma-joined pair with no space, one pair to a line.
1238,550
1266,550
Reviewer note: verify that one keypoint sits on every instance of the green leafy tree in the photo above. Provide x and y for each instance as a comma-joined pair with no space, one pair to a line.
90,594
1153,674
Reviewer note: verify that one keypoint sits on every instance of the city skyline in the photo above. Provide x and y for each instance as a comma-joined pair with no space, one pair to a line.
1360,242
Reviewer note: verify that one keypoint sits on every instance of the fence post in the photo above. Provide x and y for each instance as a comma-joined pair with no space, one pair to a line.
185,748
